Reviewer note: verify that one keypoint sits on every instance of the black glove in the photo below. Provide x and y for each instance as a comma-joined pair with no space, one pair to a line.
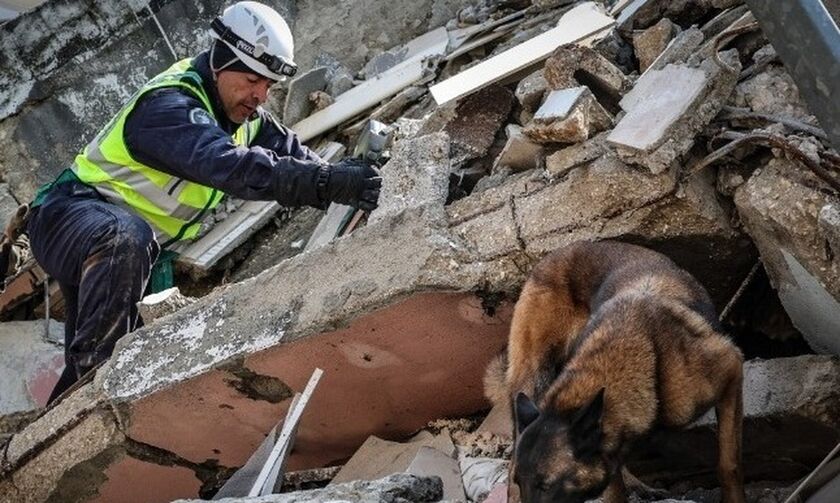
354,182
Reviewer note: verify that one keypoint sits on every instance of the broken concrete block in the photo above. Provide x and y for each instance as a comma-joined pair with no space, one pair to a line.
530,90
31,361
650,43
791,418
722,21
519,153
565,159
472,123
572,66
397,488
158,305
773,92
481,475
430,462
298,106
667,108
780,207
829,223
679,49
417,174
568,116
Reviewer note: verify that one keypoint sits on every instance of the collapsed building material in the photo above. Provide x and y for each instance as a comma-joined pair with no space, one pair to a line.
531,89
579,23
28,281
417,174
572,66
678,50
158,305
791,418
398,488
781,207
362,97
471,123
481,475
722,21
809,45
519,153
298,106
561,161
30,364
650,43
568,116
433,43
377,458
667,108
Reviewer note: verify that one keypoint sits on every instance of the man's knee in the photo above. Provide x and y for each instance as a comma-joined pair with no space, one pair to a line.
135,239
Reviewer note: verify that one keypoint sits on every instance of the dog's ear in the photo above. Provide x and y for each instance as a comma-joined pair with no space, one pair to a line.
586,427
525,412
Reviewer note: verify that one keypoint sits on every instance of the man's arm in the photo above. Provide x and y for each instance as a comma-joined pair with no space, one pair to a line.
282,140
171,131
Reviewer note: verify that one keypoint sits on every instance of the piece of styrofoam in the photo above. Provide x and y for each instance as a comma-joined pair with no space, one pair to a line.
579,23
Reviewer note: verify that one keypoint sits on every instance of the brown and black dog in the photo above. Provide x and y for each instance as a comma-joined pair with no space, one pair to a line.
608,341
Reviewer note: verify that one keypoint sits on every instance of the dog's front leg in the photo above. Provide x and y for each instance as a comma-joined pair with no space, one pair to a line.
730,414
616,492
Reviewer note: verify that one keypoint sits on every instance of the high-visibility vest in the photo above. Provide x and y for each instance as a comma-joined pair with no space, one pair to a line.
174,207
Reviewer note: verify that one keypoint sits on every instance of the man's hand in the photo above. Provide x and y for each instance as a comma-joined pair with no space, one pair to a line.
354,182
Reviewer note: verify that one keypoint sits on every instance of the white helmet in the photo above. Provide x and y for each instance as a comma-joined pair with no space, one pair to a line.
259,37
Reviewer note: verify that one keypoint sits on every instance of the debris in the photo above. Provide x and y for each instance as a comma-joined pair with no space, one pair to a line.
772,91
475,121
397,488
158,305
667,108
650,43
565,159
481,475
320,100
519,153
298,106
572,66
430,44
579,23
531,89
568,116
377,458
781,208
30,364
417,174
430,462
678,50
362,97
722,21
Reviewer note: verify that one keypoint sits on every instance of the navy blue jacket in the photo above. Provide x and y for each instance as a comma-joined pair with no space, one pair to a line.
161,134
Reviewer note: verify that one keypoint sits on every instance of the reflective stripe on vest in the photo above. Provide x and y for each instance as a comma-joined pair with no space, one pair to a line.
173,206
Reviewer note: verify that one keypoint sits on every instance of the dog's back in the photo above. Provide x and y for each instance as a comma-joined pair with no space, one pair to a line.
617,321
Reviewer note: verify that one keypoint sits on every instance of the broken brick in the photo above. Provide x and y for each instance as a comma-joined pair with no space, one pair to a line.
652,41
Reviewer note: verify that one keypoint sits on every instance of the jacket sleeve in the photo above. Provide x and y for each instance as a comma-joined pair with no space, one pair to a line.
172,132
280,139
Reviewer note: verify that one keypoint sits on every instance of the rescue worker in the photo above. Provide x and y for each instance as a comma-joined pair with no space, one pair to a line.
188,136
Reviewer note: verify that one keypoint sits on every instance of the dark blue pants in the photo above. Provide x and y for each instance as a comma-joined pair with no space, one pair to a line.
102,256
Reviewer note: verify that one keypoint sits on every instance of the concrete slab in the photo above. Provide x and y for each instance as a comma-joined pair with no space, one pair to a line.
679,49
781,207
667,108
430,462
417,174
560,162
377,458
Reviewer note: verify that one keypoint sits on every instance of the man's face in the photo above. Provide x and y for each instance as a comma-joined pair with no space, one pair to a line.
241,93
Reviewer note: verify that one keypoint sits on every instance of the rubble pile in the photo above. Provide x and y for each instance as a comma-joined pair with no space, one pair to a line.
518,127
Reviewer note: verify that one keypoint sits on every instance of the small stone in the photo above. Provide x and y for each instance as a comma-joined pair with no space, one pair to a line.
568,116
652,41
530,90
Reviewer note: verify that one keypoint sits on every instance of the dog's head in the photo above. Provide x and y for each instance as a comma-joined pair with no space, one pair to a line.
559,457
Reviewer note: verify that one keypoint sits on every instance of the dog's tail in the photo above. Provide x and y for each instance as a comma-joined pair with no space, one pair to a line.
495,385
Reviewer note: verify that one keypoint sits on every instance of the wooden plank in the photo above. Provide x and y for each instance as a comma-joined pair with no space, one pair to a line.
361,97
263,485
579,23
